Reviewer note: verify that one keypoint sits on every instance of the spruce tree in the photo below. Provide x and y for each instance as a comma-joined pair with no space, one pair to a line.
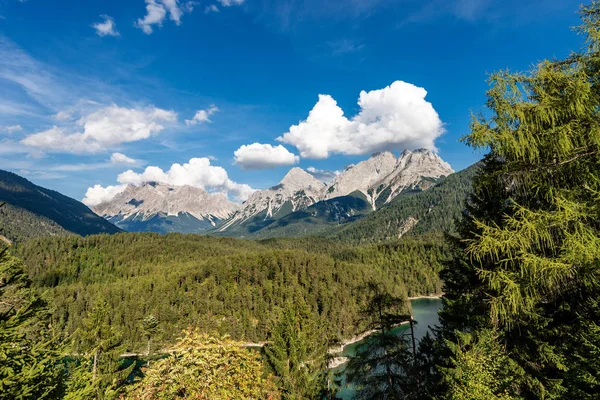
382,367
297,353
30,364
97,372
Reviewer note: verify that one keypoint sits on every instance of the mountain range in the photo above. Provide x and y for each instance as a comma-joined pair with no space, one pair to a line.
382,197
157,207
300,204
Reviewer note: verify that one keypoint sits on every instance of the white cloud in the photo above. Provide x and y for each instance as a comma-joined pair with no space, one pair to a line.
198,172
211,8
322,175
175,12
62,116
395,117
263,156
12,129
98,194
157,10
102,129
106,28
202,115
43,175
155,15
228,3
120,158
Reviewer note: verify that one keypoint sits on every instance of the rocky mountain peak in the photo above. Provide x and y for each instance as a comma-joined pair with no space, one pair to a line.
299,179
153,198
385,175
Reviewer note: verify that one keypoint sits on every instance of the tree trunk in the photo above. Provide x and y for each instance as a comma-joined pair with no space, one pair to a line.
95,366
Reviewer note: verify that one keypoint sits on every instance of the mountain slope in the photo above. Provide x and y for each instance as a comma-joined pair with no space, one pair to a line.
297,190
317,218
35,211
158,207
432,210
383,176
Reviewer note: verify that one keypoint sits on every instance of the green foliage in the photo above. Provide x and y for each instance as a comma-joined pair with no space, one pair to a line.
150,328
206,367
18,224
229,286
35,211
98,372
481,369
382,367
527,255
296,352
29,361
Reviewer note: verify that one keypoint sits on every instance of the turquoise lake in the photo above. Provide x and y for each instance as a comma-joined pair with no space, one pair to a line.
424,311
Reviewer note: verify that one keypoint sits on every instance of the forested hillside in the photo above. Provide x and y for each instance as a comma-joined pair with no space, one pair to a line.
225,285
18,224
430,211
36,211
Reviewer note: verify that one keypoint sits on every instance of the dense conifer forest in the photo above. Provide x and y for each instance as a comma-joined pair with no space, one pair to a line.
229,286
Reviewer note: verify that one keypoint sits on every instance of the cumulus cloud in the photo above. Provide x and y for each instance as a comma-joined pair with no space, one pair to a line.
210,9
120,158
395,117
102,129
98,194
202,115
198,172
107,27
322,175
157,10
263,156
12,129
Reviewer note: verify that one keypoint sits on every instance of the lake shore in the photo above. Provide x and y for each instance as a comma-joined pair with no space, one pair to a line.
431,296
337,361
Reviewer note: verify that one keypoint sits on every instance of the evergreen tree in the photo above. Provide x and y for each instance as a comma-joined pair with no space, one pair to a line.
382,367
99,373
297,353
150,328
30,366
525,278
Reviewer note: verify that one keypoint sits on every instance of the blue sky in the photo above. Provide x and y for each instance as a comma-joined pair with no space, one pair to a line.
110,92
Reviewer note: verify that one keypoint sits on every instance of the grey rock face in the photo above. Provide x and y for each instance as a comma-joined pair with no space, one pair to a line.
153,198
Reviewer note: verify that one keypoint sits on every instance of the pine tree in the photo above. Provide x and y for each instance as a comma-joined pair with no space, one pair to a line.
526,265
150,328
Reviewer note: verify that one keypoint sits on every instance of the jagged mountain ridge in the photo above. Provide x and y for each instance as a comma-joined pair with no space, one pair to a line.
368,185
297,190
383,176
378,179
158,207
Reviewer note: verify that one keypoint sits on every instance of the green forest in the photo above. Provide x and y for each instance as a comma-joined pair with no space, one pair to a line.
229,286
519,269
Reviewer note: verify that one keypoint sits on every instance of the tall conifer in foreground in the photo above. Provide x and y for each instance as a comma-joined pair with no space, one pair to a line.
30,366
526,270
